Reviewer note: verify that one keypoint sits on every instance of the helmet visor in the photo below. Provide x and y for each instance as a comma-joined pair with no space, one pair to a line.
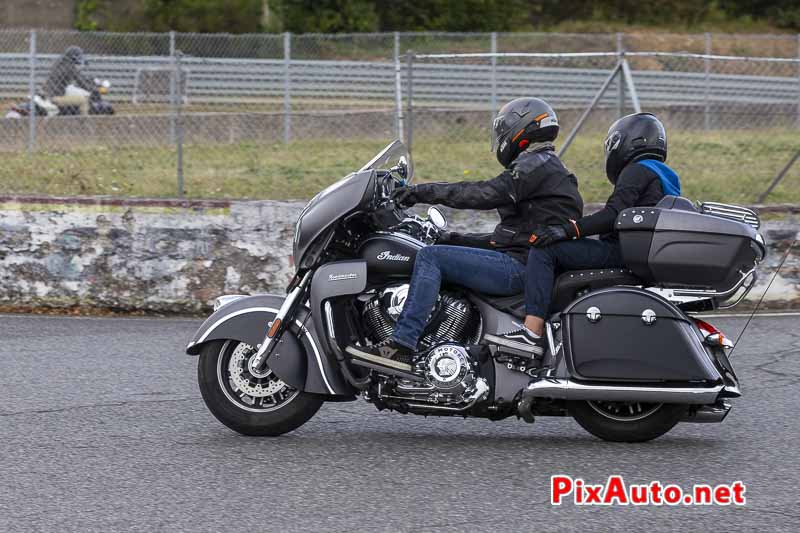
502,125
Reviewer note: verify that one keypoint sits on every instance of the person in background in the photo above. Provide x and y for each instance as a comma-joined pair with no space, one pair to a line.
66,85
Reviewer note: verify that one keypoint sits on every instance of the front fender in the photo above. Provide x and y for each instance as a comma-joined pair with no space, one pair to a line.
299,359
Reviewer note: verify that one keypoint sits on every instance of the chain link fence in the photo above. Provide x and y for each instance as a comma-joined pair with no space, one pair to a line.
281,116
733,121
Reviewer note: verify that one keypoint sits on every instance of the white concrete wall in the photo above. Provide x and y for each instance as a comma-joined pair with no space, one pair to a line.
176,256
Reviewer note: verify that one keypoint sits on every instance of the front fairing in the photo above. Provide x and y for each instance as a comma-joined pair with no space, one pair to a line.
328,207
356,191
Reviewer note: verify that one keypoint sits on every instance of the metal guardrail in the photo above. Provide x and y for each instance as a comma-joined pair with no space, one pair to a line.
228,80
213,91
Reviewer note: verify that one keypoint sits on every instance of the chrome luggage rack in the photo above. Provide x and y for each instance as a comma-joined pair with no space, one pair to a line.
732,212
745,283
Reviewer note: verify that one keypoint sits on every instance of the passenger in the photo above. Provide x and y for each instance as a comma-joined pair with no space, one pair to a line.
635,152
535,189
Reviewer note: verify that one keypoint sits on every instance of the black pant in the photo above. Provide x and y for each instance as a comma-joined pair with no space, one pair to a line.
543,263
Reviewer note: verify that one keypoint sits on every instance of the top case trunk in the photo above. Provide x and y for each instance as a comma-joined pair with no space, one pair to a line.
681,248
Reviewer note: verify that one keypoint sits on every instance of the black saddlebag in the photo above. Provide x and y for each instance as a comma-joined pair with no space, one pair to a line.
684,248
630,334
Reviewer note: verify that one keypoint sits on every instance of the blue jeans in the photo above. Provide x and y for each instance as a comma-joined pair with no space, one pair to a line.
485,271
543,263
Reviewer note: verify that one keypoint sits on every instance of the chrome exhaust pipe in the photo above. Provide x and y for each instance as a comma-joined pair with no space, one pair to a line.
707,414
565,389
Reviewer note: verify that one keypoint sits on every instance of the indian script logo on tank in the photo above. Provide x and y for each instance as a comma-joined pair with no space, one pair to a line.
386,255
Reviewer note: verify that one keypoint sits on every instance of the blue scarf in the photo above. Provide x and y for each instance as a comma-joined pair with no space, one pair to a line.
670,182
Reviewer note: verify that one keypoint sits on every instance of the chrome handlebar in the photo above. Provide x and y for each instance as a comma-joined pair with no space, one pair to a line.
426,231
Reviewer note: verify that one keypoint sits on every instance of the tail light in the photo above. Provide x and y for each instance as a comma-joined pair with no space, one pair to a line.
711,335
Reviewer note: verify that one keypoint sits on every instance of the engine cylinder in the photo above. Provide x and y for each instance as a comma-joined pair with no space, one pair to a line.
453,319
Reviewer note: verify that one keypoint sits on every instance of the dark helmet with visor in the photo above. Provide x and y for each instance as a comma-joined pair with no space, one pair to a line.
634,138
519,123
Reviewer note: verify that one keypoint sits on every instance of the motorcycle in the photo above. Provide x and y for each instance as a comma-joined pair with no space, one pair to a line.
625,358
45,108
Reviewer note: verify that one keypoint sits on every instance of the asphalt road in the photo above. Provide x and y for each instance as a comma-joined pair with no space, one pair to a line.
102,429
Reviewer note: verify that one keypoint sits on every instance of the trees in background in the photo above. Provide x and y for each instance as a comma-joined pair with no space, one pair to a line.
239,16
206,16
509,15
781,13
330,16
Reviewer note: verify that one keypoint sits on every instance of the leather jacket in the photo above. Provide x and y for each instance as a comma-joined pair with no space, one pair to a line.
63,73
536,190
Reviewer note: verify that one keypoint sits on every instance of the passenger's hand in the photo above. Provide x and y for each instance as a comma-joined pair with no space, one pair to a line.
405,196
550,235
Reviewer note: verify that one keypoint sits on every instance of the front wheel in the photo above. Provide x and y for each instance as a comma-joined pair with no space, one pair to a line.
254,406
626,421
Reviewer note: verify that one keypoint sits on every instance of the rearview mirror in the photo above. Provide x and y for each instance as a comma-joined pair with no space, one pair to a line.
437,217
402,168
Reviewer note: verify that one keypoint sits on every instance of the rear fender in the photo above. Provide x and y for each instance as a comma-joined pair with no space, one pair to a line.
299,359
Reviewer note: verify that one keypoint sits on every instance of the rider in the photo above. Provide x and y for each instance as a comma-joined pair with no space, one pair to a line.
635,150
534,190
66,71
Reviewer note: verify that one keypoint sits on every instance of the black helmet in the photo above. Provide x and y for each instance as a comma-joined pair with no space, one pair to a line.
633,138
75,54
519,123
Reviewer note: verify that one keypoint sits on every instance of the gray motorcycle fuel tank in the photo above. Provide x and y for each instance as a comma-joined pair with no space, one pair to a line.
389,255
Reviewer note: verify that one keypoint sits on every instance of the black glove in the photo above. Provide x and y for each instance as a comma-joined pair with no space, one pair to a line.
405,196
553,234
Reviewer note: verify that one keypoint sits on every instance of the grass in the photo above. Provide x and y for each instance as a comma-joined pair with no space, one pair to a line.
723,166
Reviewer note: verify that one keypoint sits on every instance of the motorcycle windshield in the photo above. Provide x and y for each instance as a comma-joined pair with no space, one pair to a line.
343,197
394,154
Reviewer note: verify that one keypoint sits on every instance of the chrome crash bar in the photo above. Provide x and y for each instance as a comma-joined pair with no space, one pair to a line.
748,280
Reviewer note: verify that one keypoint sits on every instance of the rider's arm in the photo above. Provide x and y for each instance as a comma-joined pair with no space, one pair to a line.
633,181
83,82
488,194
80,80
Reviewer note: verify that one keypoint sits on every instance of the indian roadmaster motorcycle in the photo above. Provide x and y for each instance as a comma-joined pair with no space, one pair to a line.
626,358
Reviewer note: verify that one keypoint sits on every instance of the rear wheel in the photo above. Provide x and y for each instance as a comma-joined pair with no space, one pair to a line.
626,421
257,406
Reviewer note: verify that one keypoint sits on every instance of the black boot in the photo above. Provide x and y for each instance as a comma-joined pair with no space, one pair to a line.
388,354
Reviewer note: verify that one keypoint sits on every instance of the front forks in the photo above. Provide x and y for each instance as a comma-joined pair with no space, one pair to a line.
276,328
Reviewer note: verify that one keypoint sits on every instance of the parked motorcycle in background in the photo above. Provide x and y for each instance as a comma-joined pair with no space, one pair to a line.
625,356
44,107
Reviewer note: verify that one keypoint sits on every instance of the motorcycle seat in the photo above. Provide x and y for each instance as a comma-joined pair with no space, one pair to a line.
573,284
568,287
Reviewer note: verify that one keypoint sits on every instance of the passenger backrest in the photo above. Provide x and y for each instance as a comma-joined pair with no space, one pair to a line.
676,202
